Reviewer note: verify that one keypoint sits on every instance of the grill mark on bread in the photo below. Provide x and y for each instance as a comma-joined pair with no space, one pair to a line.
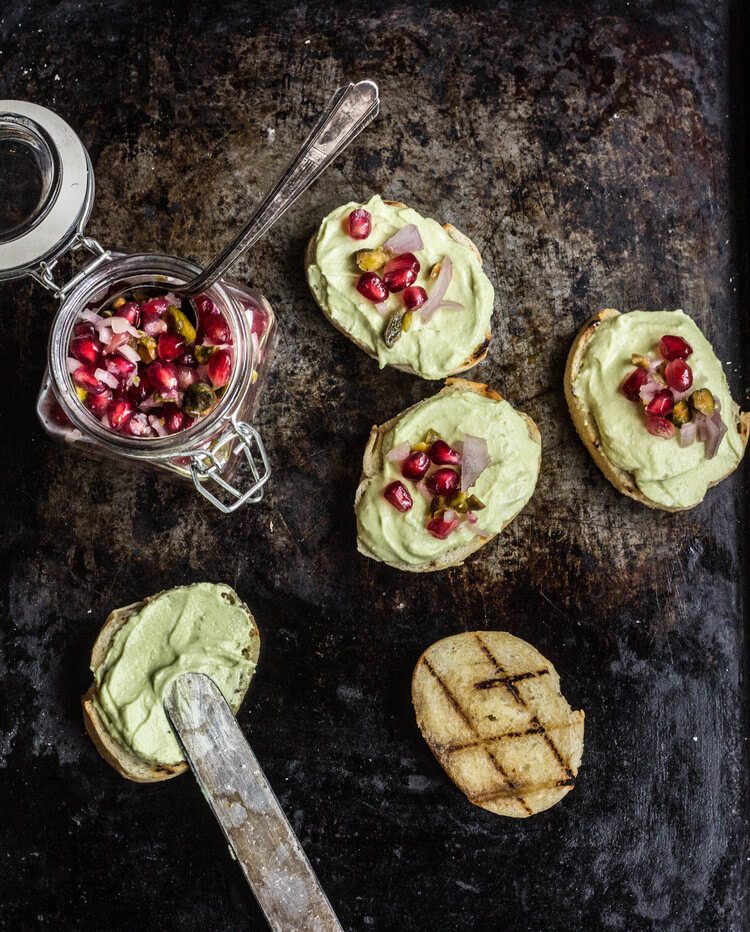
528,789
510,791
505,680
534,730
511,687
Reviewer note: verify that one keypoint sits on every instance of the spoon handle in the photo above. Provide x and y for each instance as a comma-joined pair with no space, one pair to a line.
351,108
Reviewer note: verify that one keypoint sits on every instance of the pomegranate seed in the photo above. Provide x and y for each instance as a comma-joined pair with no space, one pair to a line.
631,387
260,321
155,307
401,271
444,455
441,528
443,481
204,306
170,346
359,223
85,349
216,329
186,375
97,404
672,347
659,426
131,312
661,404
85,377
84,329
120,367
415,466
372,287
398,495
186,359
162,376
679,375
414,297
140,392
120,411
174,419
220,367
58,415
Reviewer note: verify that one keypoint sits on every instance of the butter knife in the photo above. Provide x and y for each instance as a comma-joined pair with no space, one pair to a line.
246,808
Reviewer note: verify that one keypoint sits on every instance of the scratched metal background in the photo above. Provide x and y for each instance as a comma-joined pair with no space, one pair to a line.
596,157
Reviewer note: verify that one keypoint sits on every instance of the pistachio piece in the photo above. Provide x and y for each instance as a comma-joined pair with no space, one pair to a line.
145,346
459,502
118,302
203,353
108,313
431,436
420,447
642,361
435,270
474,503
181,323
406,321
370,260
393,329
437,506
199,398
81,392
681,414
703,401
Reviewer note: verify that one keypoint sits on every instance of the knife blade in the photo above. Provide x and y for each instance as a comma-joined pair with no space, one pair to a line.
246,808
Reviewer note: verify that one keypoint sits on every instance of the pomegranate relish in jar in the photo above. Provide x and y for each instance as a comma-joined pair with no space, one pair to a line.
148,365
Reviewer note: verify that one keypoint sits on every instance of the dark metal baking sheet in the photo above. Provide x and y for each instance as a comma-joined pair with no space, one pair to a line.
595,154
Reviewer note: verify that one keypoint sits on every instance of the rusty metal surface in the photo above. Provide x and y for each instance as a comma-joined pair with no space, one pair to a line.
587,154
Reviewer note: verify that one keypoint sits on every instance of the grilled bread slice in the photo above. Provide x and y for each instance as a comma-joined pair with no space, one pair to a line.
477,355
588,431
489,706
373,462
127,763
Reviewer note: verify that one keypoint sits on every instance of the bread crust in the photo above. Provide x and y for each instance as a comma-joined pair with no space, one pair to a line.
475,357
586,427
526,762
373,461
121,758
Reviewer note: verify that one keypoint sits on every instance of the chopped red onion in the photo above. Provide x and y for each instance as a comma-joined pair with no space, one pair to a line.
129,353
474,461
158,424
720,429
72,364
680,396
479,531
654,364
118,340
408,239
173,299
148,403
450,516
438,290
155,327
424,491
105,334
382,308
92,317
398,454
687,434
106,377
118,324
471,517
648,390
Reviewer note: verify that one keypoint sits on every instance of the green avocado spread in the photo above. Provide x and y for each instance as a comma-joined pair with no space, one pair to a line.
203,628
433,349
663,470
504,487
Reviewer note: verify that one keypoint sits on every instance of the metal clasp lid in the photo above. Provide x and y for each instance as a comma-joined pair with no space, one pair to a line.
43,273
206,466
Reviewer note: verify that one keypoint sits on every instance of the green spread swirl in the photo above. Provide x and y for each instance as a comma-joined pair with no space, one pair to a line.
434,349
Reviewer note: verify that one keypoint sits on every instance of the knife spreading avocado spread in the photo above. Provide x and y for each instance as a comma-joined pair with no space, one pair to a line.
433,349
504,487
203,628
664,471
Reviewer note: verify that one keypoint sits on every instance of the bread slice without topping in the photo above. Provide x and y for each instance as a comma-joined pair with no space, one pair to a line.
373,462
588,431
489,706
478,354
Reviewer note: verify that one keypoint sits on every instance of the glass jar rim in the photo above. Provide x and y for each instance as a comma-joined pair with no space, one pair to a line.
157,271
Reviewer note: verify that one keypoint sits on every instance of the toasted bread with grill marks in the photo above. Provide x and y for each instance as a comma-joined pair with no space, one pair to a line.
588,431
374,460
476,356
489,706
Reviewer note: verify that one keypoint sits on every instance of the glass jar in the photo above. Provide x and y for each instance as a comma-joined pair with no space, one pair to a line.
45,221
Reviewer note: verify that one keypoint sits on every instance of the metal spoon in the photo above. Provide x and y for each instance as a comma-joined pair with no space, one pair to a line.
351,108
